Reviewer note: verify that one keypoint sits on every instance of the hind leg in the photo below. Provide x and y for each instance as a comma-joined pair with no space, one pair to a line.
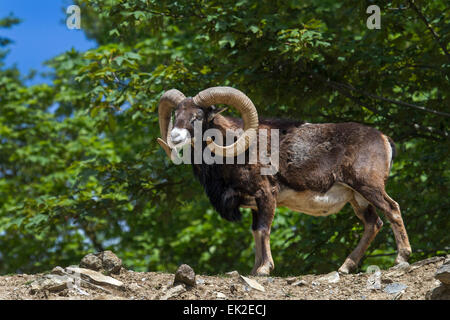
372,224
380,199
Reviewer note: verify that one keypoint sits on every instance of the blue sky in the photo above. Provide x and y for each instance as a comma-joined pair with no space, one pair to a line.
41,35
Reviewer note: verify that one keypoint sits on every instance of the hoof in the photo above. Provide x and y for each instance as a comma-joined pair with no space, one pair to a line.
403,256
262,271
344,270
347,267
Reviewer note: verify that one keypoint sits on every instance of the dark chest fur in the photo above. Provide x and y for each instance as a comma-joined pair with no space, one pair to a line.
224,198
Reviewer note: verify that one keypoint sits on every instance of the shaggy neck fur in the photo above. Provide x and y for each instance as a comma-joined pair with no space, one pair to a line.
223,197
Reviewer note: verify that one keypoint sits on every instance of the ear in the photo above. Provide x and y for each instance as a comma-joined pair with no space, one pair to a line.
213,111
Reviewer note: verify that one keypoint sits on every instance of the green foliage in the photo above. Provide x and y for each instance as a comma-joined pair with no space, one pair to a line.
80,169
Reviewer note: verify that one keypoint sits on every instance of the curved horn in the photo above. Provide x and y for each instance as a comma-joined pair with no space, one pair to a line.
237,99
169,100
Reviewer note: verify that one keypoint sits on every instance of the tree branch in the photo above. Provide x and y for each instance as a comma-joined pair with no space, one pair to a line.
435,35
339,85
345,90
401,103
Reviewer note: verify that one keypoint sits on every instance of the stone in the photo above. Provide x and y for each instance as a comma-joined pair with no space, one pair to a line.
80,291
443,274
401,266
233,274
134,287
110,262
427,261
220,295
291,280
172,292
253,284
96,277
299,283
447,259
400,269
91,261
200,281
58,271
398,295
395,288
332,277
185,274
441,292
86,284
53,283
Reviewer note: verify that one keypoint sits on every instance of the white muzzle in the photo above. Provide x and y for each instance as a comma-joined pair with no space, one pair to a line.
178,135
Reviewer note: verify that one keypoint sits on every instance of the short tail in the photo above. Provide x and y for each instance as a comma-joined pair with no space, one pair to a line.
394,150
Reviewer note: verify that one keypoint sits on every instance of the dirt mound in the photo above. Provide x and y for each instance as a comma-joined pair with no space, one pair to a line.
404,282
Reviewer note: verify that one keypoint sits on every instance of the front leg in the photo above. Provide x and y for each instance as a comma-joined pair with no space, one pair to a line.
262,221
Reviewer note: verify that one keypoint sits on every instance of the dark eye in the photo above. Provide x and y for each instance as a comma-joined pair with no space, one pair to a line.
197,116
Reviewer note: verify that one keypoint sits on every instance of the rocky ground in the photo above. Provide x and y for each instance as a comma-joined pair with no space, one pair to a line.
101,276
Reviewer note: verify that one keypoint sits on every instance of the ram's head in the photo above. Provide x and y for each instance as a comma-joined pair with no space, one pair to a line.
188,110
